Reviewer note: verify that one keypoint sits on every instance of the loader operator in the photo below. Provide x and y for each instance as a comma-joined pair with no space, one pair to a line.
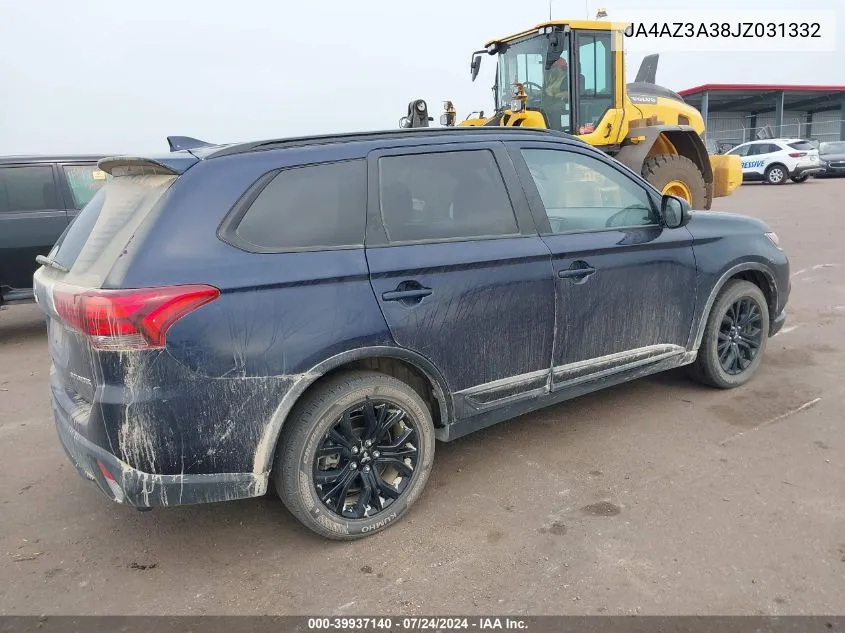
557,80
556,96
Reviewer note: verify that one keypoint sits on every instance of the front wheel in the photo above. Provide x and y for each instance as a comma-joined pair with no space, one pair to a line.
677,176
355,455
800,178
734,338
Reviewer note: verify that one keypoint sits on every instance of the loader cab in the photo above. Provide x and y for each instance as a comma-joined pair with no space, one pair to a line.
568,73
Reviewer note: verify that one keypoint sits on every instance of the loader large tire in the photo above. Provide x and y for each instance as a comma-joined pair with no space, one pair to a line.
677,175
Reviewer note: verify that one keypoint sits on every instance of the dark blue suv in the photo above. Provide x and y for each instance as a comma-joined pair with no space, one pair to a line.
318,311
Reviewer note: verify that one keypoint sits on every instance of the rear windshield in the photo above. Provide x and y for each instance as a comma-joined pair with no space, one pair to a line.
802,145
96,237
832,148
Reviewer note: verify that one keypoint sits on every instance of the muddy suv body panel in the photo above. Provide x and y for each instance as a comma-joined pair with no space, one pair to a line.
476,304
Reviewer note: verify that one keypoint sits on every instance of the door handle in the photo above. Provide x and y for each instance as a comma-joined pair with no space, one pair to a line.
405,295
576,273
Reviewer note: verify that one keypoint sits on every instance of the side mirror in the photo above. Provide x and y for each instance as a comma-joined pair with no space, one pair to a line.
475,66
675,211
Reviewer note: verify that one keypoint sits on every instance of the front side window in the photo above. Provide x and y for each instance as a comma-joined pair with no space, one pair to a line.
758,149
29,188
312,207
444,195
84,181
581,193
742,150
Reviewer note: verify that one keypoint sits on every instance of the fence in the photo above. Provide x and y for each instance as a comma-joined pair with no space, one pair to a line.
738,130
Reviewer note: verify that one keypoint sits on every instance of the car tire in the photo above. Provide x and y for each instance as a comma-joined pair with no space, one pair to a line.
776,174
801,178
662,169
409,439
731,350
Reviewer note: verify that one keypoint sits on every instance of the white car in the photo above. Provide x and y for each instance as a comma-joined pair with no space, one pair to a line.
776,160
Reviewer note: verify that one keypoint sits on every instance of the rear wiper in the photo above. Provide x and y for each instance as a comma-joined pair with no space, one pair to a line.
46,261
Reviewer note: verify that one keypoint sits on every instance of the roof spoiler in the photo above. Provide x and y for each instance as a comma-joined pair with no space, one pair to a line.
177,143
129,165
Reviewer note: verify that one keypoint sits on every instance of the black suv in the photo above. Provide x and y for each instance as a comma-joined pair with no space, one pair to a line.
39,196
317,311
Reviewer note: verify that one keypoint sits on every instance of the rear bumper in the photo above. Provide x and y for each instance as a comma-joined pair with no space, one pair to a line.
801,171
146,490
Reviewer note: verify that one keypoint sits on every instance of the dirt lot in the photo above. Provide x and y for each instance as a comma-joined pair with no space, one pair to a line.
656,497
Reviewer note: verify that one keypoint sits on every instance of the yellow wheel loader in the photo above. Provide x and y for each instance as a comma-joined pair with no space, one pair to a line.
569,76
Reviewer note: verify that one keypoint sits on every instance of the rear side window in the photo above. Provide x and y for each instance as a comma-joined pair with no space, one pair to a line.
802,146
84,181
29,188
444,195
312,207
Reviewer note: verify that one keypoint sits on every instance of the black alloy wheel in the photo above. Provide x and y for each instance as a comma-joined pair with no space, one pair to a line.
734,338
740,335
366,460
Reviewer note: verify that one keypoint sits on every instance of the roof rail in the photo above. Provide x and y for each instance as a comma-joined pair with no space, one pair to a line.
255,146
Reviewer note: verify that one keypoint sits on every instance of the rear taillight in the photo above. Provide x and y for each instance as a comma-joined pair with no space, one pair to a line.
128,319
797,154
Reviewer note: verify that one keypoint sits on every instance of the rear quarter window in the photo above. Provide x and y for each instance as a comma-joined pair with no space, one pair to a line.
313,207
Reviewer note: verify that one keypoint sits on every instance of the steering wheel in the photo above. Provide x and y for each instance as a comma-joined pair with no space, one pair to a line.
613,219
537,89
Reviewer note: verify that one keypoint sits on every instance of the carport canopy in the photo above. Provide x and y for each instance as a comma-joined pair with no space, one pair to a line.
763,98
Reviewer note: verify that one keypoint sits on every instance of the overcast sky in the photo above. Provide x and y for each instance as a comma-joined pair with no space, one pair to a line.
116,77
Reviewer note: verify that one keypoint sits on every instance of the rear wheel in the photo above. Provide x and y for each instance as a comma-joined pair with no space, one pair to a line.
355,455
677,176
776,175
734,338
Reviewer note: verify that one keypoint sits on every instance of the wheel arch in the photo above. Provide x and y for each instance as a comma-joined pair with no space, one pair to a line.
665,139
755,272
386,359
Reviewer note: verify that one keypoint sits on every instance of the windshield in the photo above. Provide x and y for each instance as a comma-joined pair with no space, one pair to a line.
832,148
548,90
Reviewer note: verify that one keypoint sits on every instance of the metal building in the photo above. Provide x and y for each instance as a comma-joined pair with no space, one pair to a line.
736,113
